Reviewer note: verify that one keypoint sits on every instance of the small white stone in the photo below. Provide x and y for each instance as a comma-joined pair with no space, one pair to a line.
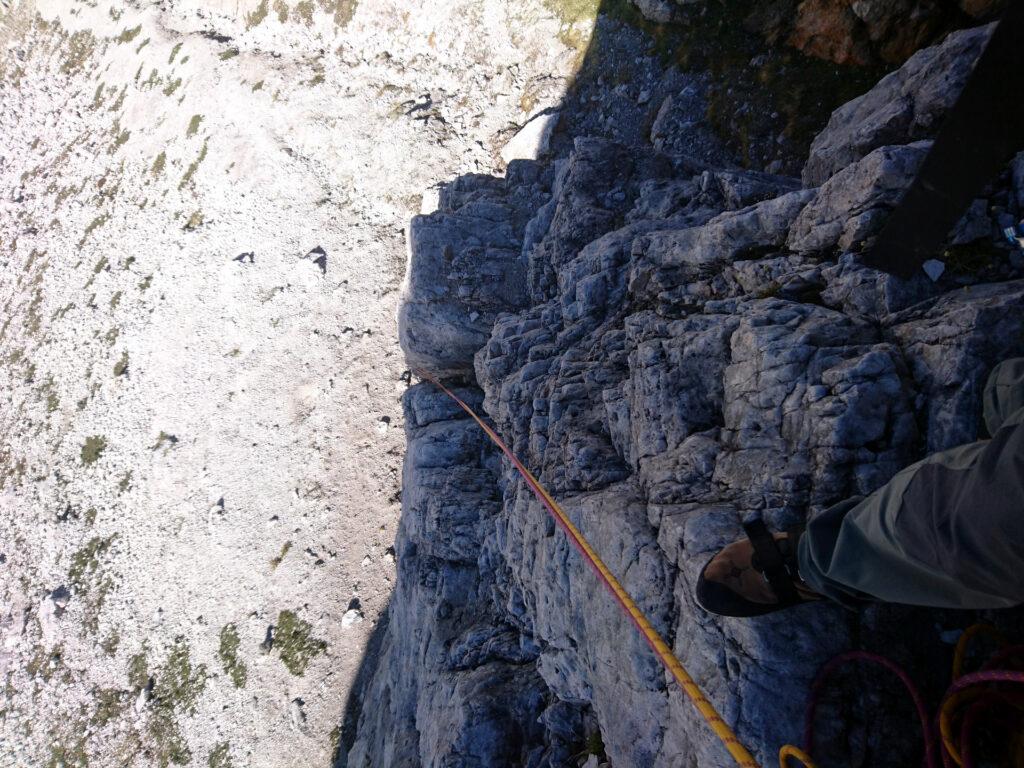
934,269
532,139
50,610
430,201
296,713
351,617
950,636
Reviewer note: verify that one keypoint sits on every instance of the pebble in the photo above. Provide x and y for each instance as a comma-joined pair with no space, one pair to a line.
351,617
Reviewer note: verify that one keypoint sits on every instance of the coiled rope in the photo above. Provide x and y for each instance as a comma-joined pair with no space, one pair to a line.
966,700
982,690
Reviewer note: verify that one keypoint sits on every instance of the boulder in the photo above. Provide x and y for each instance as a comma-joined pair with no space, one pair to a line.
465,267
906,105
853,204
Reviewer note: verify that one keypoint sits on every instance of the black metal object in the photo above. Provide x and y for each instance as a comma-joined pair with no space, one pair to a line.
980,135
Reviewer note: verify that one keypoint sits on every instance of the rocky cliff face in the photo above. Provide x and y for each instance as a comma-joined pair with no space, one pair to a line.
671,345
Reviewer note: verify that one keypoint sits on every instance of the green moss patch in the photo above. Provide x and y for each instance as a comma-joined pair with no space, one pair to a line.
90,580
304,11
180,683
127,35
138,670
258,16
92,226
85,563
177,686
295,642
69,755
121,366
195,220
80,47
341,11
193,167
573,11
228,653
276,561
110,704
44,664
220,756
158,164
93,448
193,125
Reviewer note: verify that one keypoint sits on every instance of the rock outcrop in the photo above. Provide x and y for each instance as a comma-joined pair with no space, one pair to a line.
855,32
683,347
906,104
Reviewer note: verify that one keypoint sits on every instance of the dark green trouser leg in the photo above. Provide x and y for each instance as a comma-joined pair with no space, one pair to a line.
945,532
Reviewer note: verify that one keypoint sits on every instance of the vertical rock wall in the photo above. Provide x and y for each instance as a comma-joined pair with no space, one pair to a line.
693,345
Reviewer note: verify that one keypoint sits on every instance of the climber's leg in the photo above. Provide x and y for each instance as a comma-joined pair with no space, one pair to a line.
945,532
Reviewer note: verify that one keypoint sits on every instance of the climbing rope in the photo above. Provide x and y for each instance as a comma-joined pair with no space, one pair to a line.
650,634
967,699
981,690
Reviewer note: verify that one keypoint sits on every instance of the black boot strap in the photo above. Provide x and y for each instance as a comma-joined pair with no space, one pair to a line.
775,560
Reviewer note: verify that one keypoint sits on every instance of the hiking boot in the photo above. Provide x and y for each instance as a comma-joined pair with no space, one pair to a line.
754,576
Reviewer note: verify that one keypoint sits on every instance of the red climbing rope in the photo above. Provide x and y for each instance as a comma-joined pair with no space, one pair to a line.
969,698
818,687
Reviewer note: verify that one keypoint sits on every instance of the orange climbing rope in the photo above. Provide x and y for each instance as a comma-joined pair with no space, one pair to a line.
728,738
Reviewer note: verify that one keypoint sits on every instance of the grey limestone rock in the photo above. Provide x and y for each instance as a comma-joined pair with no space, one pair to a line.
859,290
678,129
465,267
906,105
951,343
852,205
685,347
456,684
727,237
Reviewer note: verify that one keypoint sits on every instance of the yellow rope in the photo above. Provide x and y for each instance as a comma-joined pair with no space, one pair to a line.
796,753
661,649
960,655
955,702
